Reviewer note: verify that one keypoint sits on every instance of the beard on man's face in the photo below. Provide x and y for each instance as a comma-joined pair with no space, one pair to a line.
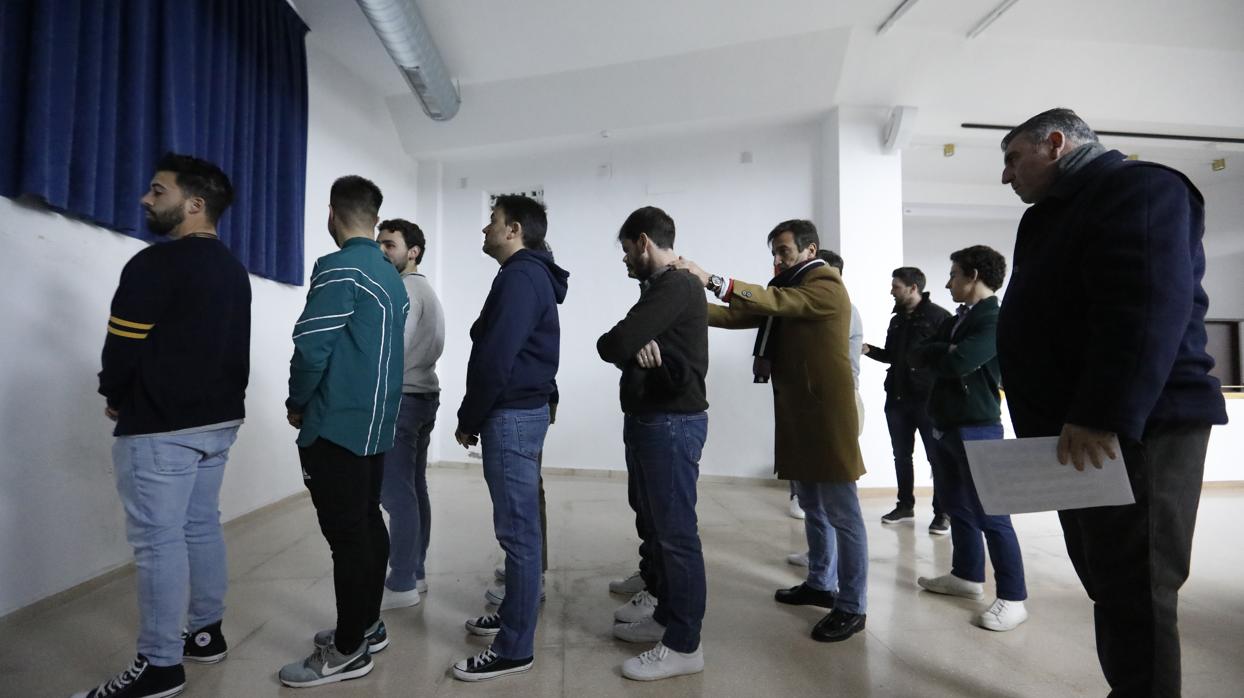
163,222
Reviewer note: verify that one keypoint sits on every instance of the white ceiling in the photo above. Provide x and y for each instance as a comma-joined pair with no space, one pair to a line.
538,72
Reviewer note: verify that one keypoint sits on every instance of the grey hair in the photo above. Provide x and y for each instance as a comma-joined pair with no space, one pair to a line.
1039,127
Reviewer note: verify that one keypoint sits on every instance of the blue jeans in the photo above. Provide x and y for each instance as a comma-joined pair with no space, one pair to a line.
170,489
511,441
968,520
837,542
663,459
404,490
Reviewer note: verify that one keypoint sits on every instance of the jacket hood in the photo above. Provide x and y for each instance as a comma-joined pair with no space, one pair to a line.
543,260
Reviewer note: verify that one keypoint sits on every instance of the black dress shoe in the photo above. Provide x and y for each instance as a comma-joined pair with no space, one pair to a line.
804,595
838,626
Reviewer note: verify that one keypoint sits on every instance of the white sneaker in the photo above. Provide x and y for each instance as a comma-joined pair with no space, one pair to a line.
797,559
496,593
399,599
1003,615
951,585
638,608
646,630
629,585
796,512
421,585
661,662
499,573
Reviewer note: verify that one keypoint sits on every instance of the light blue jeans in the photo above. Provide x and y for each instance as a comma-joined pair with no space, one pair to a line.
511,441
837,542
404,491
170,489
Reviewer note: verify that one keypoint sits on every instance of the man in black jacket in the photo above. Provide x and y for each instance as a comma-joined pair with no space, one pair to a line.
662,348
915,319
1102,337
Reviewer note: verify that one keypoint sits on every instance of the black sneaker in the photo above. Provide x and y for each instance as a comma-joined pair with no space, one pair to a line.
205,646
838,626
804,595
485,625
141,680
487,665
377,637
940,525
899,514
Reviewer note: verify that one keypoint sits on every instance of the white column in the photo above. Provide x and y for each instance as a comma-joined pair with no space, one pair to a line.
860,216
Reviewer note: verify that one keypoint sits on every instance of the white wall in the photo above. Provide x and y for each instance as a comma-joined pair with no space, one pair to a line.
722,209
60,520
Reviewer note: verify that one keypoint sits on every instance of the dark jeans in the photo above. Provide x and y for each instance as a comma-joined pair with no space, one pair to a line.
404,493
663,458
968,519
345,489
1133,559
648,566
905,417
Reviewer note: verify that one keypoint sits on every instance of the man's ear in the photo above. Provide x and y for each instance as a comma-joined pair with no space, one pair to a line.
195,204
515,229
1057,142
642,242
413,253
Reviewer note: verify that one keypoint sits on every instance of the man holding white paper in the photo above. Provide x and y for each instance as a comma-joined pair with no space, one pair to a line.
1102,336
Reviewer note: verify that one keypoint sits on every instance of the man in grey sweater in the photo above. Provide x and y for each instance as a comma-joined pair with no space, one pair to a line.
404,492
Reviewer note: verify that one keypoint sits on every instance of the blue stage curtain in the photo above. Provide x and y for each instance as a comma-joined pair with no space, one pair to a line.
93,92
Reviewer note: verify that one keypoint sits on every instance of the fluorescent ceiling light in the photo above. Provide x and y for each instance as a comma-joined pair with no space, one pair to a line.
988,19
899,11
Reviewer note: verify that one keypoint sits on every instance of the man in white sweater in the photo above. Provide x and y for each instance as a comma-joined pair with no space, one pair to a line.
404,493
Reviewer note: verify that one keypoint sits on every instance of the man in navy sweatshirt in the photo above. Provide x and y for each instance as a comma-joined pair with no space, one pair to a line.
1102,337
510,376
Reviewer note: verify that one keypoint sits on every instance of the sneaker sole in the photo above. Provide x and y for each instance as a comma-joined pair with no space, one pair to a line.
658,677
212,659
888,522
619,618
335,678
390,606
938,532
950,592
485,676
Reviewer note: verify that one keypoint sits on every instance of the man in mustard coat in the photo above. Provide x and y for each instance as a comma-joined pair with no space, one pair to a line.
803,319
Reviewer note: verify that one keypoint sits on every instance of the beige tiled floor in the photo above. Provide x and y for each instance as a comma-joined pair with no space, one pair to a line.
915,644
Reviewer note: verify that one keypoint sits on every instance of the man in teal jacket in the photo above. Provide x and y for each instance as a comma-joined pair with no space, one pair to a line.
345,383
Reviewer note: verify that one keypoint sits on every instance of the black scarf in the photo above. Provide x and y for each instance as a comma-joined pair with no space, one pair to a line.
762,366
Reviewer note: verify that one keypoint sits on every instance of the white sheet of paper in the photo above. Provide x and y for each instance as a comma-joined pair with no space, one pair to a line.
1015,476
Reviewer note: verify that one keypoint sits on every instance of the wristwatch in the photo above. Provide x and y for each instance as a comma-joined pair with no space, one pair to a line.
715,283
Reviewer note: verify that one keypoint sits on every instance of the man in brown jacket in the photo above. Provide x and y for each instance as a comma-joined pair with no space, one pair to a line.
803,319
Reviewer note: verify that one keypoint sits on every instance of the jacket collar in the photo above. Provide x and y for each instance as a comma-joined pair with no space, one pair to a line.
1070,183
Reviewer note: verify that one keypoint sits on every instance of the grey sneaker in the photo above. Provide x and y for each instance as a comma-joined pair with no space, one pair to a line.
940,526
377,637
897,515
327,665
661,662
646,630
629,585
640,606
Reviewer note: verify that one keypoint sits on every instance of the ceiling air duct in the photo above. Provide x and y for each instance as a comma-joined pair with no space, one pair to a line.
405,36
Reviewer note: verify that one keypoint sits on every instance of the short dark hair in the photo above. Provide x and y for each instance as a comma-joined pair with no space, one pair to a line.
530,214
803,231
1039,127
831,258
356,200
987,263
653,222
910,276
411,234
202,179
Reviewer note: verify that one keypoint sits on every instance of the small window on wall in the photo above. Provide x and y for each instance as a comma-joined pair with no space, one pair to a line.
1224,346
